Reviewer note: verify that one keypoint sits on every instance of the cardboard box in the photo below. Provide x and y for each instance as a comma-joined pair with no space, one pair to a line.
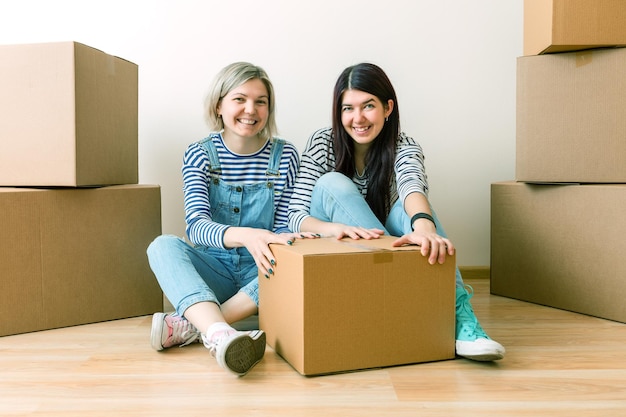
569,25
335,306
69,116
561,246
76,256
571,117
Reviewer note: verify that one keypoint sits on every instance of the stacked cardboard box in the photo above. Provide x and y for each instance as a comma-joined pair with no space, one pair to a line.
75,222
552,26
558,230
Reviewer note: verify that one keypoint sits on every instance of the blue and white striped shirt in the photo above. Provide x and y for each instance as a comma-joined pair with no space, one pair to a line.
236,169
318,158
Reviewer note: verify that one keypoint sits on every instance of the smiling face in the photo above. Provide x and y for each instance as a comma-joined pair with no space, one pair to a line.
244,110
363,115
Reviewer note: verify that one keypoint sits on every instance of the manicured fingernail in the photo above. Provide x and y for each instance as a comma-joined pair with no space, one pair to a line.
273,262
271,271
289,242
302,236
267,276
318,235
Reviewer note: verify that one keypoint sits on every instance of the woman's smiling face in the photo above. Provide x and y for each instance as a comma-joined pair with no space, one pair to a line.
245,109
363,115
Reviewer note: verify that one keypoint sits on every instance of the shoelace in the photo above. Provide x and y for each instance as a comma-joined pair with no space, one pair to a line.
183,331
465,312
212,344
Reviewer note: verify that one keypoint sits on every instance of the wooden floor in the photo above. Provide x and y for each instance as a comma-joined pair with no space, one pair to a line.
557,364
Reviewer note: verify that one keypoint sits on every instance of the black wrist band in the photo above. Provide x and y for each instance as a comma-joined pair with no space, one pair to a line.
422,216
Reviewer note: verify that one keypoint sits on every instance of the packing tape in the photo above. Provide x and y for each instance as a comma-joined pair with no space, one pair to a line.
384,257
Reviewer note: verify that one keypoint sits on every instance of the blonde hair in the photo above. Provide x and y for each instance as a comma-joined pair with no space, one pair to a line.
230,77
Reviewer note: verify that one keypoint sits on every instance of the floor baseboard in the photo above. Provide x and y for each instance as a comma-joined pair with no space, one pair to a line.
475,272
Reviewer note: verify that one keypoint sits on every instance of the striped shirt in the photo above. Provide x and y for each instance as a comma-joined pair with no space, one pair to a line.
236,169
318,158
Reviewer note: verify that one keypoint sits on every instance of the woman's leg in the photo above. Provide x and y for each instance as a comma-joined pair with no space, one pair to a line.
187,275
196,281
335,198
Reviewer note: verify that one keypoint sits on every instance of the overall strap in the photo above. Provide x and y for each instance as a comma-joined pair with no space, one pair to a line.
214,160
276,152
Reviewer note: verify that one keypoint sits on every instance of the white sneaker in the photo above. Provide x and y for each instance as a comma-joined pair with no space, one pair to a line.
171,330
480,349
237,351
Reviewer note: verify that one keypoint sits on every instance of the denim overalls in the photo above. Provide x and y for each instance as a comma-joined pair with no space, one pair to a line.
188,275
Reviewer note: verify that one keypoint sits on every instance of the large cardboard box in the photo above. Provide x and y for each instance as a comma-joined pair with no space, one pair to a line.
335,306
569,25
76,256
571,117
69,116
561,246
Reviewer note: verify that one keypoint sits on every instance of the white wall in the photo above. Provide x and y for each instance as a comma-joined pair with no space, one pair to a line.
452,63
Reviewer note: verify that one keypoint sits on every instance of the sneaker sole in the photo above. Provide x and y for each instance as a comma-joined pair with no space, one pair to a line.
156,331
484,355
243,352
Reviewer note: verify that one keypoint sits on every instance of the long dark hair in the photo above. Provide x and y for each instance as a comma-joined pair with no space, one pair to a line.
381,155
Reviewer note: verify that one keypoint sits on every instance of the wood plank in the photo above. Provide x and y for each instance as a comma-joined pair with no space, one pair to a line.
558,363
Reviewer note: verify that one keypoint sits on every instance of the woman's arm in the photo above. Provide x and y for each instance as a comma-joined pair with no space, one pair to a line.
413,190
201,229
290,162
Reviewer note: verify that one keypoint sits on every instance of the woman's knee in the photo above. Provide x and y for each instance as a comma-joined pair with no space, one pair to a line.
335,182
163,243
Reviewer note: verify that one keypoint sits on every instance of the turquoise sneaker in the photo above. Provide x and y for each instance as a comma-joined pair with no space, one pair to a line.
471,340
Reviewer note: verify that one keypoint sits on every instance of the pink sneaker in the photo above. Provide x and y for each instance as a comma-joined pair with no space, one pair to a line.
237,351
171,330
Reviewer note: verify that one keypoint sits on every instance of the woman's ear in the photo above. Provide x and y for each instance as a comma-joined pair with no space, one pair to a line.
389,108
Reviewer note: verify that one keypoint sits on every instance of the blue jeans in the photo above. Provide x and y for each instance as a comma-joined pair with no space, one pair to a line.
189,275
335,198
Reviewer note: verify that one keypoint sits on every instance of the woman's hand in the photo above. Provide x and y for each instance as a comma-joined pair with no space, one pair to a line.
340,231
432,245
257,242
424,233
357,232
